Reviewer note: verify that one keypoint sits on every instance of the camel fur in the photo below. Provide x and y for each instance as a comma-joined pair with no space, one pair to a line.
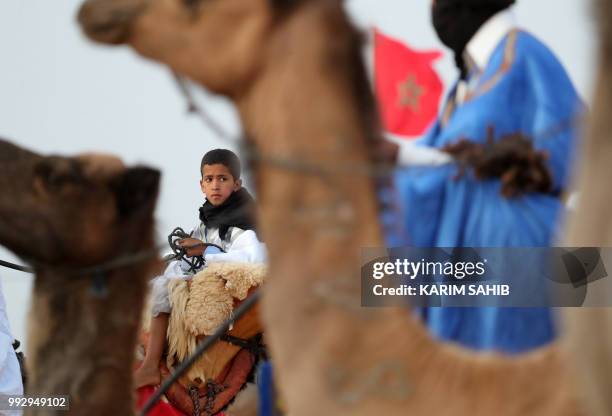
66,214
589,330
294,70
246,403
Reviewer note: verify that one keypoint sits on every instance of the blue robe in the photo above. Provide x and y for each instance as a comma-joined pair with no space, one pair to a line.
524,89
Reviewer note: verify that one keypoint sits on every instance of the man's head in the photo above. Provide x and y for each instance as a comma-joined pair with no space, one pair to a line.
456,21
220,169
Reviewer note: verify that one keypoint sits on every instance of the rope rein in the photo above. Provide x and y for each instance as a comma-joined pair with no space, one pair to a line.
100,269
374,170
180,253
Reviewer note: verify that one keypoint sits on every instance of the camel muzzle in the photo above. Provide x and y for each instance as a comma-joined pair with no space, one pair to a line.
110,21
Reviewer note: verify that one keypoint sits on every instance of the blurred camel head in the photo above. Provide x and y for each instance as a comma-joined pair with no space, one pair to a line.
222,44
73,211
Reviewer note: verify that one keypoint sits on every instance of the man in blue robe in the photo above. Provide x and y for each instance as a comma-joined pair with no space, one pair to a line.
511,83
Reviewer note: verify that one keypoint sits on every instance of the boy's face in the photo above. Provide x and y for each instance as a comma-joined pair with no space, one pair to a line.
218,183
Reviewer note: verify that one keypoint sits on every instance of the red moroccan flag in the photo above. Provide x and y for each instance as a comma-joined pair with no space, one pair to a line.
407,86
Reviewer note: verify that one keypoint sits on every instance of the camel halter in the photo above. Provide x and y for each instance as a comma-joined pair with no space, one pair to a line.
100,271
97,273
374,170
102,268
254,156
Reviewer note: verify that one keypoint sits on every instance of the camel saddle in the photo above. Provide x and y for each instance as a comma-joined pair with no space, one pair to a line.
199,306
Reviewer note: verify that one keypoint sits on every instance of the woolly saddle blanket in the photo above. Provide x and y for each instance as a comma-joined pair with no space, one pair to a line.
200,305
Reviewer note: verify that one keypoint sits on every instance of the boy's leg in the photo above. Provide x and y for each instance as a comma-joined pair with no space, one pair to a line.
148,373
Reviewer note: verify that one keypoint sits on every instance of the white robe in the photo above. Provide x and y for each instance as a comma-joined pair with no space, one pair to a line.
10,374
242,247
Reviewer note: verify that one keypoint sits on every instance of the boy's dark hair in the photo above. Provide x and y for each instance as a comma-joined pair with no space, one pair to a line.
224,157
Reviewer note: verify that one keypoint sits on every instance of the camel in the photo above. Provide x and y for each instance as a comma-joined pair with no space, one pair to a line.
590,329
66,215
294,71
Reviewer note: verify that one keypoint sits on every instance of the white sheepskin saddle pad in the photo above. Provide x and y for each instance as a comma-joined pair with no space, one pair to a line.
201,304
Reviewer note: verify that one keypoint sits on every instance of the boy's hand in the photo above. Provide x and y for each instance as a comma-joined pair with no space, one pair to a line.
193,246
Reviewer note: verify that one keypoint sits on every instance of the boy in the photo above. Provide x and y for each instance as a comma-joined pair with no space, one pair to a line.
227,219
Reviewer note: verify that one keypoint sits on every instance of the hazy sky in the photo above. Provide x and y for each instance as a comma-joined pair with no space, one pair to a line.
59,93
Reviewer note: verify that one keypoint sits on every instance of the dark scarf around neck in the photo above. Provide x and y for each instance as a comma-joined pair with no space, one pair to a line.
237,211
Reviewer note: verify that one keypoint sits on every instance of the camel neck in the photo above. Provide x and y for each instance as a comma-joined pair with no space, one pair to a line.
82,344
316,107
315,103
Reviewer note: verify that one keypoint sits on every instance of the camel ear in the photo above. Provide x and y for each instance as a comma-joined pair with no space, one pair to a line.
136,191
56,173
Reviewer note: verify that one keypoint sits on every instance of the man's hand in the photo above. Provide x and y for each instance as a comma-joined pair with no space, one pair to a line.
193,247
512,159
